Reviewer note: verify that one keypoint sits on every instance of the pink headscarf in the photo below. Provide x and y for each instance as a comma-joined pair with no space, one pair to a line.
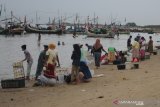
97,44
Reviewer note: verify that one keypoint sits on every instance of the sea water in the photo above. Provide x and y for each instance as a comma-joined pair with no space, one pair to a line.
10,48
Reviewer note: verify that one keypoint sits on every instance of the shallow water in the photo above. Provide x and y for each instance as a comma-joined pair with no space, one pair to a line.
10,48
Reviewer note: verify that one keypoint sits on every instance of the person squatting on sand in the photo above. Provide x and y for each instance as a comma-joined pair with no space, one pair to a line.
97,50
84,72
111,54
29,60
48,77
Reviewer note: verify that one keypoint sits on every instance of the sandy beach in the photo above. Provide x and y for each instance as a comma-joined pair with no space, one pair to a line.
104,91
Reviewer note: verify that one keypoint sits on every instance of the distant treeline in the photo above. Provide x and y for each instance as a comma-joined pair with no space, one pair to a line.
152,26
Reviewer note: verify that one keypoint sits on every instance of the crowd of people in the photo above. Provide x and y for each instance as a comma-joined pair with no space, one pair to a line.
48,60
139,47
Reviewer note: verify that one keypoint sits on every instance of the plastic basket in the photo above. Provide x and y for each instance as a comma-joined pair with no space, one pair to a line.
18,70
13,83
121,66
116,62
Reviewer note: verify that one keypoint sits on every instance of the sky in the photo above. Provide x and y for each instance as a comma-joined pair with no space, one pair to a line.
142,12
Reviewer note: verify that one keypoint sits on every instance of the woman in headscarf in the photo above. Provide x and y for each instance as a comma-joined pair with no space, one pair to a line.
49,77
142,48
76,56
97,49
135,50
150,45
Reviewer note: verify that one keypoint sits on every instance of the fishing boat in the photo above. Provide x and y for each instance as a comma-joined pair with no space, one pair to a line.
12,26
30,29
108,34
12,30
79,30
150,32
1,29
17,31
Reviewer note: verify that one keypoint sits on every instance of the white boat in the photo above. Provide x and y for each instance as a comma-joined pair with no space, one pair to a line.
107,35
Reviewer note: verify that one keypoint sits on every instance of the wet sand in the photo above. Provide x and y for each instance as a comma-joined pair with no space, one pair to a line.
122,85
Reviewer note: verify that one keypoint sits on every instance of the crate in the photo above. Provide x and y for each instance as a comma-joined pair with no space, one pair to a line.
13,83
18,70
121,66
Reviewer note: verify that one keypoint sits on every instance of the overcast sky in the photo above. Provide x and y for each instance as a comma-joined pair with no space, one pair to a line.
142,12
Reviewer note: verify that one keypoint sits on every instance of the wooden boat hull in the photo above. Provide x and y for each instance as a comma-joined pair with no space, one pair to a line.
29,29
158,47
108,35
127,33
15,31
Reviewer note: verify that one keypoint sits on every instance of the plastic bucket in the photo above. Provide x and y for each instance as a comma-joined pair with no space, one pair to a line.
136,66
60,78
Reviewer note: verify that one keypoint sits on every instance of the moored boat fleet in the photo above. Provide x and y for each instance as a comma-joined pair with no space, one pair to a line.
14,26
105,32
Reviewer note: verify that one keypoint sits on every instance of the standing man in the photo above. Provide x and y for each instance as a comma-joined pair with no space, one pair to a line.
39,37
117,34
129,45
41,61
29,60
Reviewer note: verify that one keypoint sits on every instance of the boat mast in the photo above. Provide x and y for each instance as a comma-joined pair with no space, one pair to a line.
88,21
49,21
11,17
36,19
1,13
6,24
97,22
1,10
94,19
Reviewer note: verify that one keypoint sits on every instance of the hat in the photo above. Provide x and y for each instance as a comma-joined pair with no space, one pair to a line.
45,46
52,46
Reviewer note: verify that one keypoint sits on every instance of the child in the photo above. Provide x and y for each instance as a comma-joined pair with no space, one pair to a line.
29,59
